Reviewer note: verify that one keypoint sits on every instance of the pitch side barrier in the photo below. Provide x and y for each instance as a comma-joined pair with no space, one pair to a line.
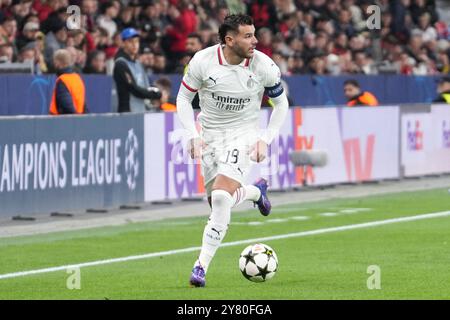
74,163
361,144
64,163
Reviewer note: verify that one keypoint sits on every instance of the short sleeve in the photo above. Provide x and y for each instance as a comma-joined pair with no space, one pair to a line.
272,83
192,79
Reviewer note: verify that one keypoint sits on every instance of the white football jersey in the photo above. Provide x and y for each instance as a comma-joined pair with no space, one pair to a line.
230,95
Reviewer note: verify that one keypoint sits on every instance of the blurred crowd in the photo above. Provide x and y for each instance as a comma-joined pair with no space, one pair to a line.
302,37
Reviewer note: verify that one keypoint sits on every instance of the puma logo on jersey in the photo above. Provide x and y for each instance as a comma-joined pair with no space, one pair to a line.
214,80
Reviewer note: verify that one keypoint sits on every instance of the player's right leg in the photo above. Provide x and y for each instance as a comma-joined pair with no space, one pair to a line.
216,228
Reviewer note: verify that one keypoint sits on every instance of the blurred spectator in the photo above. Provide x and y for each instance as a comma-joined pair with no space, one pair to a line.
160,65
281,62
443,90
111,51
29,32
89,9
317,65
290,26
6,53
419,7
31,54
78,58
362,63
125,19
341,44
428,32
332,33
69,94
54,19
76,38
264,36
95,63
443,57
107,19
28,53
55,40
214,18
279,45
236,6
284,7
147,58
208,36
356,97
45,8
193,44
295,64
19,10
344,23
184,22
263,13
40,46
130,77
8,31
333,64
167,102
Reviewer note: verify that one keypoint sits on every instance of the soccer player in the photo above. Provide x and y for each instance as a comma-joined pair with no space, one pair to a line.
230,78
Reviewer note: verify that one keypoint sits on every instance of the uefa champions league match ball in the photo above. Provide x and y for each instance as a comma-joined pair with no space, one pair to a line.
258,262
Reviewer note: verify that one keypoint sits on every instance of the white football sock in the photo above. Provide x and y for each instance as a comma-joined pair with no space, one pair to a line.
216,228
249,192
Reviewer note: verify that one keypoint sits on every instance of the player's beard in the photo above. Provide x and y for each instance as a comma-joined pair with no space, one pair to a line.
241,52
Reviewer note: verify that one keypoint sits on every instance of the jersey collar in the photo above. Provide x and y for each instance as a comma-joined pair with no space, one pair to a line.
223,62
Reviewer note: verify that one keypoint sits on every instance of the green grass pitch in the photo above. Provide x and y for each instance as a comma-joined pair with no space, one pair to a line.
413,256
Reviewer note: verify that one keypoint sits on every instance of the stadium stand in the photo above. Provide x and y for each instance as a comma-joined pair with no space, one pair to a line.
308,36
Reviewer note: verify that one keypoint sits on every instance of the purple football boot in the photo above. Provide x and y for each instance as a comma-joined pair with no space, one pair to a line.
197,277
263,202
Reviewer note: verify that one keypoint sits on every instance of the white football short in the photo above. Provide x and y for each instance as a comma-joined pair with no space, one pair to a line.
227,153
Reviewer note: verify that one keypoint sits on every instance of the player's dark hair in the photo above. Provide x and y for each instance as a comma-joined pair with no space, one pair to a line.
232,23
352,82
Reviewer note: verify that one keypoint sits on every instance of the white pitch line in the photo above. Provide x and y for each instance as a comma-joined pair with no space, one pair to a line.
299,218
229,244
328,214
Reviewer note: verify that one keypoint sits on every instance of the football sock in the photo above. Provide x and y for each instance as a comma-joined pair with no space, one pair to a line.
216,228
249,192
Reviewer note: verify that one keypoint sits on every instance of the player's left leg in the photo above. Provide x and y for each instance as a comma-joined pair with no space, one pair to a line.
256,193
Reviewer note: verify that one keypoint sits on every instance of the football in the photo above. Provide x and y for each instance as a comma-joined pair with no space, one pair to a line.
258,262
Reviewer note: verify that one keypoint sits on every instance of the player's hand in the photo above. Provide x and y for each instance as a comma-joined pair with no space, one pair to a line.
259,151
195,148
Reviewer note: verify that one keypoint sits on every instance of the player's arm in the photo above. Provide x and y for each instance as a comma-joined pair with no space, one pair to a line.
188,88
277,95
280,108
